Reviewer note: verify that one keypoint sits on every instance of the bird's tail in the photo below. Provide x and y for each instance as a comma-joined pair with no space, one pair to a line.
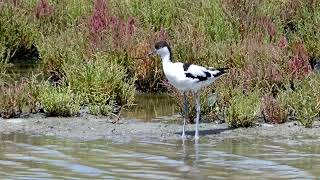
216,72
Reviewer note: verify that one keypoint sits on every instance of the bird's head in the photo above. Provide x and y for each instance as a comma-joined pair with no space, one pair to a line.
162,49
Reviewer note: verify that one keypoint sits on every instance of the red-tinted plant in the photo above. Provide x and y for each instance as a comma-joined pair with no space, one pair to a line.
16,2
267,24
161,35
107,28
242,14
290,10
273,111
43,9
283,43
11,99
148,71
121,30
98,19
273,75
299,65
250,77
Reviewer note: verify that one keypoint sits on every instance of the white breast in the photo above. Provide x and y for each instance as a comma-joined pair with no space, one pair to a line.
176,76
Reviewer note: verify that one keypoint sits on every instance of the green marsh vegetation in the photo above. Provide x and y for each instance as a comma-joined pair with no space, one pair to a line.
93,54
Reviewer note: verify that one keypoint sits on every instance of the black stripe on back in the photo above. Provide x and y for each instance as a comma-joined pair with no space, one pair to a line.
186,66
207,74
200,78
221,71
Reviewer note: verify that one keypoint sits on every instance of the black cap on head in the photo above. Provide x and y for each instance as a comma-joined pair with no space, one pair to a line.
161,44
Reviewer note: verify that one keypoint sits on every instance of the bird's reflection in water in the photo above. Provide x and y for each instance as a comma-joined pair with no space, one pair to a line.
190,152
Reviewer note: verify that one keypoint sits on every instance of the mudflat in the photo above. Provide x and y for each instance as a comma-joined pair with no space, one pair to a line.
87,128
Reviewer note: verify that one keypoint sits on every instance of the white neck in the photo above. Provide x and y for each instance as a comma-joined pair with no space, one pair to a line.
165,58
164,53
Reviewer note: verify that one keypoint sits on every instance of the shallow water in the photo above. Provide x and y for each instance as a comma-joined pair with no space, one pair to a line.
151,107
27,157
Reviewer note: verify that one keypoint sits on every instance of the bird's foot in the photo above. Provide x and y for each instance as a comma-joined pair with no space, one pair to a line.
183,136
196,137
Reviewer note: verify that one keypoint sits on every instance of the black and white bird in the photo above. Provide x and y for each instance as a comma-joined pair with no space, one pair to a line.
186,77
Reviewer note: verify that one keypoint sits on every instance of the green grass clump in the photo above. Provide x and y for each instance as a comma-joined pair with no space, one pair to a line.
12,98
101,109
58,49
59,101
244,109
304,100
101,81
18,95
16,33
64,15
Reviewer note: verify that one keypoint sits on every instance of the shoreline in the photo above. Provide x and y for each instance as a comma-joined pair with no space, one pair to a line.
87,128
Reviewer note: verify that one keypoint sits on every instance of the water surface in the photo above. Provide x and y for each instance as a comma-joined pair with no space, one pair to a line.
27,157
152,107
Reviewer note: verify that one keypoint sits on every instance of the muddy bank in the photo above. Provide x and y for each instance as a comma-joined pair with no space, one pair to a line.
92,128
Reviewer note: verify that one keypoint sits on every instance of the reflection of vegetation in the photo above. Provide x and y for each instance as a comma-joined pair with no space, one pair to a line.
267,45
151,106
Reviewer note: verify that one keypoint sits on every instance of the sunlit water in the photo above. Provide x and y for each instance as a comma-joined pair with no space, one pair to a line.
26,157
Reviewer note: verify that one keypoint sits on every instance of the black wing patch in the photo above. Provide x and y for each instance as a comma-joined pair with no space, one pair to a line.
186,66
207,74
200,78
220,71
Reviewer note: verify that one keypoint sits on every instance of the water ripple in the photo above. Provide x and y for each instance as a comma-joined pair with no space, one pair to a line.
25,157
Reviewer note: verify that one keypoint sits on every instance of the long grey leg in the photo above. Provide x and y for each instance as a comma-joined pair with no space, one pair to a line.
196,136
185,113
